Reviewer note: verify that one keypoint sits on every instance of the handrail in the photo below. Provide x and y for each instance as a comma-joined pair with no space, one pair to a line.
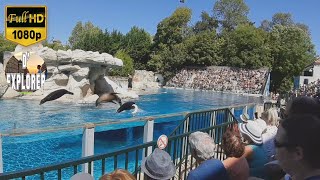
233,116
15,132
209,110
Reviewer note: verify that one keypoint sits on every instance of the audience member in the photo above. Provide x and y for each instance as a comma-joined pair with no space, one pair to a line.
236,165
301,105
203,149
271,118
297,146
254,152
82,176
118,174
158,165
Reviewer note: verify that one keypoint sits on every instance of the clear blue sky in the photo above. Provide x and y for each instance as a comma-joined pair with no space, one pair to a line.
123,14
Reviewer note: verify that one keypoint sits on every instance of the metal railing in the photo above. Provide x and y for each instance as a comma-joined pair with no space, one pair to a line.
213,121
206,118
203,119
129,159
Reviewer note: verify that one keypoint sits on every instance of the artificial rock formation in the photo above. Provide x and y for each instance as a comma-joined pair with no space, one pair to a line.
143,79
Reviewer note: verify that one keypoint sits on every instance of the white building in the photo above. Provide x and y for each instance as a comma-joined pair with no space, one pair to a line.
310,74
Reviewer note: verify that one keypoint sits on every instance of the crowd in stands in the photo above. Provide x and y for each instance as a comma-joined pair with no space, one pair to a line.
221,79
310,89
266,147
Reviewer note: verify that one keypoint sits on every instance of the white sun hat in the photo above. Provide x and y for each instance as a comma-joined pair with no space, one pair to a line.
252,130
262,124
244,117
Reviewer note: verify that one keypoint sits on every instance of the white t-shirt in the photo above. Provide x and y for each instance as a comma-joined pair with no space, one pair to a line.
267,139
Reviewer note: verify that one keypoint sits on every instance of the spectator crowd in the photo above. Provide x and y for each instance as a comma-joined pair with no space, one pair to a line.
218,78
310,89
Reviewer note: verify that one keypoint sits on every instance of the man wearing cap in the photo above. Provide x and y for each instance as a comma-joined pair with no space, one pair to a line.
158,165
203,149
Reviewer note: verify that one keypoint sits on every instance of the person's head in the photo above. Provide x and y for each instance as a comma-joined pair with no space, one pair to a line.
232,144
202,146
296,143
38,67
158,165
301,105
82,175
118,174
270,117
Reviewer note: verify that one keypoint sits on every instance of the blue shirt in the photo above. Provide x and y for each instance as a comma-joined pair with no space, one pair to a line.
257,162
209,170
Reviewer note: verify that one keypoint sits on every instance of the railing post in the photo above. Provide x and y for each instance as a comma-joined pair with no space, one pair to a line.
88,144
1,160
213,118
184,140
255,111
148,136
232,111
230,114
245,110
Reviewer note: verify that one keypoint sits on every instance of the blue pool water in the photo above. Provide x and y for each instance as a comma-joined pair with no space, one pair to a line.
37,150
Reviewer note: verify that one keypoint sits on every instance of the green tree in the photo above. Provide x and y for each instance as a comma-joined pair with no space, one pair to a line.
55,45
170,60
246,47
114,42
87,37
231,13
204,49
127,67
5,45
304,27
137,44
171,30
292,50
284,19
76,34
206,23
266,25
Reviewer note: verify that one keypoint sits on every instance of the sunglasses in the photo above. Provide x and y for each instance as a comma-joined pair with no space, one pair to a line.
279,144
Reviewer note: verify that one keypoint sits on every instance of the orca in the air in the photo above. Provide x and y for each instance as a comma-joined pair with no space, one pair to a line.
128,106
